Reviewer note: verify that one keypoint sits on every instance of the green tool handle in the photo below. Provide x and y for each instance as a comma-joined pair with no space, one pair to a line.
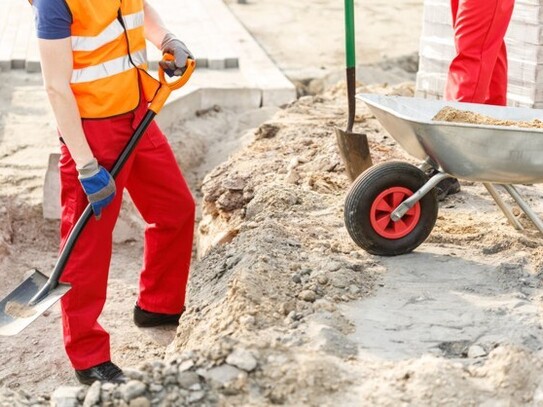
351,62
349,34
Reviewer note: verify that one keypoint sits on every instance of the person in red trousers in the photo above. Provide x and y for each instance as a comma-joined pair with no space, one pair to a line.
93,59
478,72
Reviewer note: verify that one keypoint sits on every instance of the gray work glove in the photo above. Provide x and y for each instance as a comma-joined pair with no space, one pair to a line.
172,45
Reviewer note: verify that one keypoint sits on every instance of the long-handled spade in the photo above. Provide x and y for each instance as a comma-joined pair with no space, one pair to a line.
38,292
353,147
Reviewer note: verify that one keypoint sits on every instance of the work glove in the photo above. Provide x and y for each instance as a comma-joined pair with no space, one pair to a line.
172,45
98,184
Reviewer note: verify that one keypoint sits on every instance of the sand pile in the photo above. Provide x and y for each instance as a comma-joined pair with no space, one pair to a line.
450,114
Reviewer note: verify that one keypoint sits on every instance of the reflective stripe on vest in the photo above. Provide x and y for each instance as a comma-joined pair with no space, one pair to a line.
106,56
110,33
109,68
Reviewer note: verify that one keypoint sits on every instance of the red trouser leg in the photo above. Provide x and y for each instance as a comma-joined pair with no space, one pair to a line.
497,91
86,342
163,198
479,26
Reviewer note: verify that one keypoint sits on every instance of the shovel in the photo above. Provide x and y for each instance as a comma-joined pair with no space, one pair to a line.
353,147
38,292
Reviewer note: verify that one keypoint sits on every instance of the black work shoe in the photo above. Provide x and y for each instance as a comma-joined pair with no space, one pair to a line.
147,319
104,372
445,187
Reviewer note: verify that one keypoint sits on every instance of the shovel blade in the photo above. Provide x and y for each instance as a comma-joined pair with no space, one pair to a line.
354,151
16,314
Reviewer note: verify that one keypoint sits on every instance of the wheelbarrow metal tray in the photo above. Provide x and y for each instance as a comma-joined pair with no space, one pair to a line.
474,152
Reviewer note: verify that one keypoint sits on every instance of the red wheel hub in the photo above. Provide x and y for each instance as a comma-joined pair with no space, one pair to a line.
383,206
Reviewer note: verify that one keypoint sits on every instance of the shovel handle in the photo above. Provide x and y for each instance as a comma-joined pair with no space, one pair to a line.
167,87
350,53
155,106
350,47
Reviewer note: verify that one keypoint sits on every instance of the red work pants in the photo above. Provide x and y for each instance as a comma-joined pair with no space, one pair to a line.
478,73
160,193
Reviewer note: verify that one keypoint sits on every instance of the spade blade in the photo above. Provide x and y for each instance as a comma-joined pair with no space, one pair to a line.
15,311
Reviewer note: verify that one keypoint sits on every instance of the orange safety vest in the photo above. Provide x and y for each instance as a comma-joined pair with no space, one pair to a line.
109,57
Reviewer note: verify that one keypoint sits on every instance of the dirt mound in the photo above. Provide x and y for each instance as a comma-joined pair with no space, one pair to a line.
273,285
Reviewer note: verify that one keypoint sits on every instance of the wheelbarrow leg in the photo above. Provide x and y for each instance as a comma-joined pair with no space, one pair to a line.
503,206
524,206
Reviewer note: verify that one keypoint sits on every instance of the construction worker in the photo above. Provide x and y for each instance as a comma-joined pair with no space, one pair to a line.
478,72
93,61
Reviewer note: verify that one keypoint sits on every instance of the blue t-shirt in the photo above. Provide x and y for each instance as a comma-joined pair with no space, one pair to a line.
52,18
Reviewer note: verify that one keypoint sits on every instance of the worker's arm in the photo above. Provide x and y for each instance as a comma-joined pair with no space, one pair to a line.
155,30
157,33
56,64
57,67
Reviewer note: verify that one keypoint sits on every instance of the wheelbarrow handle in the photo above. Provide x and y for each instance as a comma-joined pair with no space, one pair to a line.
156,105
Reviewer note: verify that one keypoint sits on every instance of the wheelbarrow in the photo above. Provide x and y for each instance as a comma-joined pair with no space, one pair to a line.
392,207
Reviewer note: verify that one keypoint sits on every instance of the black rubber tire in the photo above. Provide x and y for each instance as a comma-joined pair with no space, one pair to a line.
363,193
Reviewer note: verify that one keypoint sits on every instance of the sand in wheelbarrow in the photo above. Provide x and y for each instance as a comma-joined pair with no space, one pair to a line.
450,114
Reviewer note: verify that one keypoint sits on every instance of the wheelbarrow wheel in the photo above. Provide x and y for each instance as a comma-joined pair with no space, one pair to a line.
373,197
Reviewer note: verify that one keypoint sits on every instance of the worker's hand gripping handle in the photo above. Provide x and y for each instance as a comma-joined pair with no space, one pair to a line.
166,87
